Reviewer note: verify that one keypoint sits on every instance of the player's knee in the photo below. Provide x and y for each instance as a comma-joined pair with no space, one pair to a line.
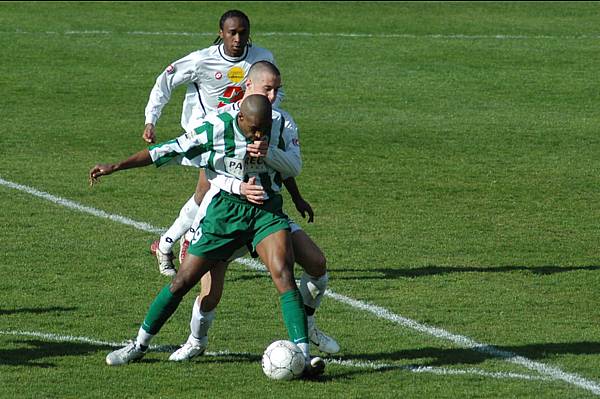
181,286
320,266
283,279
209,302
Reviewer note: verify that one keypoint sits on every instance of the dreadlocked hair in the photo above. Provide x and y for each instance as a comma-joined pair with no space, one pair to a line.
232,14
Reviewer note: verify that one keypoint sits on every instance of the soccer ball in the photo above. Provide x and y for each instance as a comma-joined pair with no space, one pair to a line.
283,360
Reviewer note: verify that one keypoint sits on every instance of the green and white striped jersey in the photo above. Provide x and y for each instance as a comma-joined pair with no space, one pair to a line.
217,143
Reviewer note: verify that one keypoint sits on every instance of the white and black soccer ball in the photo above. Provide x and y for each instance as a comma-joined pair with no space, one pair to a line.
283,360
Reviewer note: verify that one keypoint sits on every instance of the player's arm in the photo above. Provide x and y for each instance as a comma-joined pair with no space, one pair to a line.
284,149
301,204
180,72
137,160
253,192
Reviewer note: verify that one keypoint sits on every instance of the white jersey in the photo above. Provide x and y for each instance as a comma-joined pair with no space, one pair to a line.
213,80
217,144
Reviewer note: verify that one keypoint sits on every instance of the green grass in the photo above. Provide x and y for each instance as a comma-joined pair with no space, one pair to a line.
450,153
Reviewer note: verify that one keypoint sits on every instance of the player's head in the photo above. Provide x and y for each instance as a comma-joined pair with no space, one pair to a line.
234,32
265,79
255,117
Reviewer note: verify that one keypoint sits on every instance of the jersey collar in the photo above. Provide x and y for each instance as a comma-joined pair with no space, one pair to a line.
221,49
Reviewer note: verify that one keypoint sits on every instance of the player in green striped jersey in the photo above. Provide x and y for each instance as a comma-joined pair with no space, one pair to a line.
224,143
264,78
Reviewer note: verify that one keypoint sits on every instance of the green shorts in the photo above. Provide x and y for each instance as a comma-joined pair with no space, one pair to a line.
232,223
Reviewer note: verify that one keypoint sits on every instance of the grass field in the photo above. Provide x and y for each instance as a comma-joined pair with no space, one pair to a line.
450,153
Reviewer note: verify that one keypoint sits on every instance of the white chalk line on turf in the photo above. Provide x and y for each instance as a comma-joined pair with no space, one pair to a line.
550,371
345,363
434,36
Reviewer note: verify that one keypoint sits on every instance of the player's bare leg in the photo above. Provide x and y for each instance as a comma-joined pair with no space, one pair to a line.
276,252
313,284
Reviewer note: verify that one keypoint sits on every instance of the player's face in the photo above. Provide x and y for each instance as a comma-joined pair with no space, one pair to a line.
252,127
266,85
235,34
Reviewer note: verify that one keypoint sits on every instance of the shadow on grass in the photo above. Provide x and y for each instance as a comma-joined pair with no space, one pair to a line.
40,310
38,352
436,357
379,273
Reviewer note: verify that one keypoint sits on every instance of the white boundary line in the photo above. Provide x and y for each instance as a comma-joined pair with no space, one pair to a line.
550,371
344,363
319,34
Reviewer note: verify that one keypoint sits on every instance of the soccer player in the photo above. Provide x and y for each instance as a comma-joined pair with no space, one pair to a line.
264,78
215,77
231,144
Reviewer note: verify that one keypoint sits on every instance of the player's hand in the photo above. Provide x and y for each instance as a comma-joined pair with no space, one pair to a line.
305,209
100,170
258,149
253,192
149,135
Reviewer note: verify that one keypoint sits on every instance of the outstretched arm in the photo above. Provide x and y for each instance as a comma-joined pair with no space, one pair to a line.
137,160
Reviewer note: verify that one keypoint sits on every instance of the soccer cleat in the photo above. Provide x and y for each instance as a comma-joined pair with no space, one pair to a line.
129,353
183,248
189,350
323,341
314,368
165,261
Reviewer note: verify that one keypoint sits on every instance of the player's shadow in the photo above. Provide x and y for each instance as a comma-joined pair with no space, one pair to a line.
41,310
404,272
437,357
36,353
411,359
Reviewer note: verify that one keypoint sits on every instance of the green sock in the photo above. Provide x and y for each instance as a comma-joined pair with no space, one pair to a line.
294,316
163,306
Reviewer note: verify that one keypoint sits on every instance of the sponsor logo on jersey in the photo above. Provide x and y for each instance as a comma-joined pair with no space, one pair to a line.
234,167
170,69
255,165
218,75
236,74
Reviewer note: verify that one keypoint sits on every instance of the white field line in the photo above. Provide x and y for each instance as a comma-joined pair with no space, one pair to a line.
320,34
345,363
550,371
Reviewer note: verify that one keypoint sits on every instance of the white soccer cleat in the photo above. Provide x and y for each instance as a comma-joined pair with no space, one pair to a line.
129,353
165,263
314,368
323,341
189,350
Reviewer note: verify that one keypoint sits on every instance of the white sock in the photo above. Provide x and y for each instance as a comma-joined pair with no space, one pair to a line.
143,338
304,347
201,321
311,322
179,227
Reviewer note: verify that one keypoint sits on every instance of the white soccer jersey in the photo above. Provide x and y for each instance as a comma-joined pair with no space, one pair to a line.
218,144
213,80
